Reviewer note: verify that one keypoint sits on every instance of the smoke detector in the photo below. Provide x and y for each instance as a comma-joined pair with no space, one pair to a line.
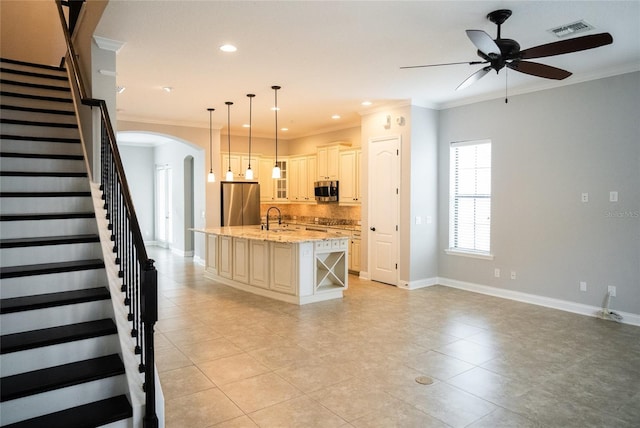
571,29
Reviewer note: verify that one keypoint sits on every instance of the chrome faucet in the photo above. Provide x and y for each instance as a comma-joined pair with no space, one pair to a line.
279,215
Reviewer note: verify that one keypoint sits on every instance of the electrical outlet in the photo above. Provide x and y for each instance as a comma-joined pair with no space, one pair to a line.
496,273
585,197
613,196
612,290
583,286
513,274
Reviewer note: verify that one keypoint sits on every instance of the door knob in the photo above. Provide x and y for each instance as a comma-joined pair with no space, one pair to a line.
373,229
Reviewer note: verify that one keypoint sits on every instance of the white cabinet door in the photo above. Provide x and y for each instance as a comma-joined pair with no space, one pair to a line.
350,177
212,254
284,266
354,257
295,178
233,160
267,193
241,260
309,193
328,163
255,166
225,258
259,259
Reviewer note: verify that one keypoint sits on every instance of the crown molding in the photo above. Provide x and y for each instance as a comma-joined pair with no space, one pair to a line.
108,44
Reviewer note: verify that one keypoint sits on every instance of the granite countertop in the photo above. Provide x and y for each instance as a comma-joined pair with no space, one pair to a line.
277,234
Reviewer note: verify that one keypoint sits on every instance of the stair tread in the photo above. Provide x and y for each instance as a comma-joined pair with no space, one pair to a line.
43,194
34,74
88,415
42,174
15,342
33,64
47,268
48,240
48,300
40,156
42,139
35,85
38,110
46,216
52,378
35,97
38,123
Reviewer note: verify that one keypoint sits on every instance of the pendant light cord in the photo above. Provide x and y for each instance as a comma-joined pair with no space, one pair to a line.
210,140
275,88
250,108
229,104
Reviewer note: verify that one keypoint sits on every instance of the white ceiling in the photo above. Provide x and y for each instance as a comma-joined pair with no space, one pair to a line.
329,56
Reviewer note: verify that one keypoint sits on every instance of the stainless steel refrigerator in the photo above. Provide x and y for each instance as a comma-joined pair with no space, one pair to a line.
240,203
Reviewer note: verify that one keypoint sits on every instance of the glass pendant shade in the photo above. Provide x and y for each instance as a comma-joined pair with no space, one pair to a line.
248,174
211,177
275,173
229,176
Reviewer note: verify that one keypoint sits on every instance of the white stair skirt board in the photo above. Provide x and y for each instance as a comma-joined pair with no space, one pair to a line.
549,302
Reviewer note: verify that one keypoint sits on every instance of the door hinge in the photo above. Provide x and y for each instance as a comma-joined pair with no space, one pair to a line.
396,227
397,152
396,266
397,191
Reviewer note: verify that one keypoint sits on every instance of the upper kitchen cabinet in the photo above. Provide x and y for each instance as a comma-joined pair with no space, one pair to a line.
239,163
349,193
272,189
302,174
328,161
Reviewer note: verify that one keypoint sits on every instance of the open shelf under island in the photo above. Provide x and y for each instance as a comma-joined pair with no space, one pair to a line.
295,266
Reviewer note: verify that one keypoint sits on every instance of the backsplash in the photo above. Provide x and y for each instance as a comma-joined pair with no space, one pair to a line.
329,214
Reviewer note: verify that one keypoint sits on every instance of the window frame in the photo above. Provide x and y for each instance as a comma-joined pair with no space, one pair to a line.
454,198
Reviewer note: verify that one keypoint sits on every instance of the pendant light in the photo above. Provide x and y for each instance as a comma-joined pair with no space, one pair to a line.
229,176
211,177
249,174
276,169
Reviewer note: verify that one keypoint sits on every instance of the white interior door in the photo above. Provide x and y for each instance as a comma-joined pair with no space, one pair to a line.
164,178
384,181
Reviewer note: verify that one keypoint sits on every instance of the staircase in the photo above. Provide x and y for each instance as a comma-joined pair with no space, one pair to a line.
60,357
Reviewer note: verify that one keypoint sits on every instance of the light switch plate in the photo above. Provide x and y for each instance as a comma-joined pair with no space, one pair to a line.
613,196
585,197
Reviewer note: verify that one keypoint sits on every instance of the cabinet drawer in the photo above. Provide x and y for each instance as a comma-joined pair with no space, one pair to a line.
339,244
323,245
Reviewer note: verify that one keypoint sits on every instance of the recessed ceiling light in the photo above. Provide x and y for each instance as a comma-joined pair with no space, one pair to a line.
246,125
120,89
167,89
275,108
335,116
366,103
284,129
228,48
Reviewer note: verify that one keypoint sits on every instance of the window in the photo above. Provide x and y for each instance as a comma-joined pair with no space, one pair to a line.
470,198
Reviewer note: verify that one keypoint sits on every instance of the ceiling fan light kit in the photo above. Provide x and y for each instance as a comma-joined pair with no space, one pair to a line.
500,52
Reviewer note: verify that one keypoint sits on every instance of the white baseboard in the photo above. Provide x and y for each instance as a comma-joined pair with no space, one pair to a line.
414,285
364,275
199,260
549,302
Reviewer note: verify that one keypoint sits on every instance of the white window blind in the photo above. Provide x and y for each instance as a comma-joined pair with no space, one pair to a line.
470,197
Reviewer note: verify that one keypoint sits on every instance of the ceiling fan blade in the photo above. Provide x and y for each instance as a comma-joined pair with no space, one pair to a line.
446,63
483,42
567,46
474,77
540,70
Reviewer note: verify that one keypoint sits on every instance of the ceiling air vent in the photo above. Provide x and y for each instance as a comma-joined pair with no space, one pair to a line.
570,29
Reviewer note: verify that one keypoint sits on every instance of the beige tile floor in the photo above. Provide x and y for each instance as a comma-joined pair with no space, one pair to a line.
231,359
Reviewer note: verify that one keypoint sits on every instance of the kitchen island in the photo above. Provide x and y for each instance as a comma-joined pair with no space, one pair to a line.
287,264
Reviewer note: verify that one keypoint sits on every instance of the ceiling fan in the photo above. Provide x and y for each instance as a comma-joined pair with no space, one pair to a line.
500,53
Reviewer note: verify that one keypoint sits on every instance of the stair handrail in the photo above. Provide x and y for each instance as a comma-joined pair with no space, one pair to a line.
137,270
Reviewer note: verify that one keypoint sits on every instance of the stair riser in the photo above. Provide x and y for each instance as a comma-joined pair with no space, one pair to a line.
44,184
32,69
50,254
45,205
51,283
34,91
60,399
56,316
36,103
37,116
32,229
55,355
42,165
18,146
38,131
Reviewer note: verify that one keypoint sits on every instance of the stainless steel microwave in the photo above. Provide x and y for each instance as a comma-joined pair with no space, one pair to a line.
326,191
